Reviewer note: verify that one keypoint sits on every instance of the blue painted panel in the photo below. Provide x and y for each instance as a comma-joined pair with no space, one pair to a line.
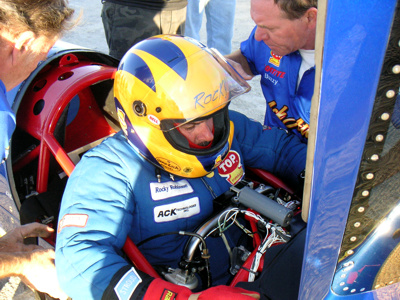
355,43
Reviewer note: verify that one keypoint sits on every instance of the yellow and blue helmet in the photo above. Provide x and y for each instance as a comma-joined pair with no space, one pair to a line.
166,81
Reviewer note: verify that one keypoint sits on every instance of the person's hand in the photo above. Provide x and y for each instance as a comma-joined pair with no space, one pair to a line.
238,67
40,273
32,263
13,241
223,292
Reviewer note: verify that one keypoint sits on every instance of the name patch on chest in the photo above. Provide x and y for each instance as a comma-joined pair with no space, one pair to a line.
164,190
178,210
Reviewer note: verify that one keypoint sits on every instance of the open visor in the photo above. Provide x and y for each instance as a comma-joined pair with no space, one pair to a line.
197,87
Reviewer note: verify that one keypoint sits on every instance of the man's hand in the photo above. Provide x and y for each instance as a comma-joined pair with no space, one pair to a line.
40,273
32,263
238,67
13,241
240,64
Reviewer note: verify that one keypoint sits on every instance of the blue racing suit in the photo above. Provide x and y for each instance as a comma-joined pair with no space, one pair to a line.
287,106
114,193
7,123
8,212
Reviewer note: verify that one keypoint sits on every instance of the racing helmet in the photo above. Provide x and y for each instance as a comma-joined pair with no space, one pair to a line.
166,81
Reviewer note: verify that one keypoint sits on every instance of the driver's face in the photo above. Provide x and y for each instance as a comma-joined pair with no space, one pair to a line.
199,132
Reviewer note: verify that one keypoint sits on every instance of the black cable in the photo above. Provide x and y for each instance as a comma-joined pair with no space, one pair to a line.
174,232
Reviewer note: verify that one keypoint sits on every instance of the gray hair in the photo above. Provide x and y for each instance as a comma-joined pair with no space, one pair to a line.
295,9
50,18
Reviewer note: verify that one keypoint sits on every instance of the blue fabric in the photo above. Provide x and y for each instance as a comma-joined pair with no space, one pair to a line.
287,106
220,20
110,195
7,123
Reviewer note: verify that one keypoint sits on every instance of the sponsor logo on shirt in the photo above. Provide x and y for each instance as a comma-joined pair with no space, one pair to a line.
290,122
231,168
178,210
273,74
275,59
127,285
164,190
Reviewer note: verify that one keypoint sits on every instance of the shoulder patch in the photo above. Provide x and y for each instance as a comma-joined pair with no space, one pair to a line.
127,285
73,220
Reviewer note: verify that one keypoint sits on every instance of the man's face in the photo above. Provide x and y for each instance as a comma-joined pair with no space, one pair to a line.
282,35
198,132
28,61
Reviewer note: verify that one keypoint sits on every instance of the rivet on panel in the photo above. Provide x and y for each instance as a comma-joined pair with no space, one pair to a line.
353,238
390,93
375,157
379,138
361,209
357,224
385,116
350,252
396,69
365,193
369,176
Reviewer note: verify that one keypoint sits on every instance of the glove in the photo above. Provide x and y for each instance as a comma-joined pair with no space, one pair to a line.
223,292
163,290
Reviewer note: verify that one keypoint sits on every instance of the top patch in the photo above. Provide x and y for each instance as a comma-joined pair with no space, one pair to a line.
231,168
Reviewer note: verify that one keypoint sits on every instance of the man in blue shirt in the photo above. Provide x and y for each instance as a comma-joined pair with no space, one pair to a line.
28,29
281,49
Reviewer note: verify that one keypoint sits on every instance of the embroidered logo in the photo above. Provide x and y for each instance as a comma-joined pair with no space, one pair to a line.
178,210
231,168
275,59
164,190
73,220
127,285
168,295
